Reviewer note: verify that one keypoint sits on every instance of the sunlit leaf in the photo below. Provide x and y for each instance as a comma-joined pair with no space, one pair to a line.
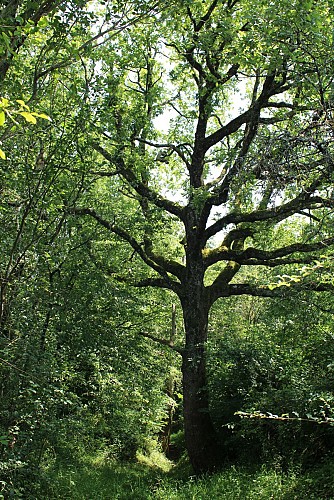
28,116
44,116
4,102
23,104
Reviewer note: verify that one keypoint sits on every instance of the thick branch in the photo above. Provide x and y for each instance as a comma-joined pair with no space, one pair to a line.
171,266
167,146
141,283
282,291
221,194
279,262
219,290
142,189
125,236
276,214
149,282
224,251
262,291
226,275
152,282
34,14
206,16
271,258
164,342
270,88
263,255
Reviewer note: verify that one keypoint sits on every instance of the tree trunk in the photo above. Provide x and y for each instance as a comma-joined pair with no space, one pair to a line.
201,438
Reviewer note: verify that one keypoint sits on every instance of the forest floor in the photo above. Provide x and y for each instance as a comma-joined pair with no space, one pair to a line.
96,479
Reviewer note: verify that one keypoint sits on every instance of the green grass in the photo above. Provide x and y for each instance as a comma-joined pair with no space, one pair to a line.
98,480
101,483
243,484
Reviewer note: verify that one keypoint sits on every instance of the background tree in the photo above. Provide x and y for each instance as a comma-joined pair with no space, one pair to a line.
61,388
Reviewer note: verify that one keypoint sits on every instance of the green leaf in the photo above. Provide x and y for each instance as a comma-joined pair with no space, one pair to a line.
4,102
2,155
28,116
2,118
23,104
4,440
44,116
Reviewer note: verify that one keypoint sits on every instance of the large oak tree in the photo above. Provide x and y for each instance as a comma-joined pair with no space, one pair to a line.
246,90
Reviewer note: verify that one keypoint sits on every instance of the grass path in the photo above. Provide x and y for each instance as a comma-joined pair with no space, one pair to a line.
140,481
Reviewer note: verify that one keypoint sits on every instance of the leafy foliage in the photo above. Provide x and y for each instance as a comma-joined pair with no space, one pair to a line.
281,380
189,156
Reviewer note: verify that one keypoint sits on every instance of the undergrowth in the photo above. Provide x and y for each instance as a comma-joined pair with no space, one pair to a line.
149,479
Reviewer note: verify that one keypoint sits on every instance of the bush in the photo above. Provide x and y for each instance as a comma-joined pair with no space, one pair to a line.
263,378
